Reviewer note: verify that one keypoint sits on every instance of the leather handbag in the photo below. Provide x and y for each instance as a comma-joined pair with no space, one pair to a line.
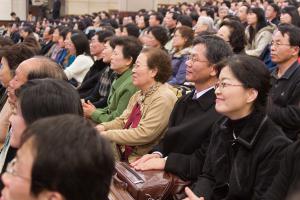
147,185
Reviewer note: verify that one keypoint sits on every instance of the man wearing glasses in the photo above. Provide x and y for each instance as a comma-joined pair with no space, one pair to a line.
284,97
182,151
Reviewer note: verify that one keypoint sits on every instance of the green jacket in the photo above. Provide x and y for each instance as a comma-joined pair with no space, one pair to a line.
121,91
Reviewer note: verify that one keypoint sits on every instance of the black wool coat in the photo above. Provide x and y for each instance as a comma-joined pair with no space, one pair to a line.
241,168
189,129
91,78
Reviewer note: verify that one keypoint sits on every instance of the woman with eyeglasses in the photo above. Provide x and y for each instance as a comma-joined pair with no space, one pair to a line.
245,148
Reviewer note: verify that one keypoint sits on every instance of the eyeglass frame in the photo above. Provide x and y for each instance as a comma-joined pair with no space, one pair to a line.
222,85
10,170
191,58
276,44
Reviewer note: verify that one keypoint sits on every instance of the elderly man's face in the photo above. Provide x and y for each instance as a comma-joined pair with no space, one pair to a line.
19,79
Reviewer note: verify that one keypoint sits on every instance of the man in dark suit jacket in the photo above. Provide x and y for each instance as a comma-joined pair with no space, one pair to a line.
47,40
183,149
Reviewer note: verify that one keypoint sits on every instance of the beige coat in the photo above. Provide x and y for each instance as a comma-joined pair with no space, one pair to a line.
156,110
262,38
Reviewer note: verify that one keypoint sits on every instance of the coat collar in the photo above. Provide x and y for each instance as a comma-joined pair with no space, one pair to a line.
205,101
289,72
250,133
119,81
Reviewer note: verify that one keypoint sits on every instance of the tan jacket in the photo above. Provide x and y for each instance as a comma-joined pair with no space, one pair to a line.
262,38
156,110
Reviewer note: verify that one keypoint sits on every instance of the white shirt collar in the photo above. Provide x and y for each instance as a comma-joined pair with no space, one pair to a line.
199,94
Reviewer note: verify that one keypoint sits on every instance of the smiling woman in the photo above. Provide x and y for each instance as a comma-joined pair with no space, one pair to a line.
140,126
245,148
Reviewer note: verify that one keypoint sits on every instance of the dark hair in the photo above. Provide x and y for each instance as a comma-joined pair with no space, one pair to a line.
5,41
41,98
187,33
132,30
227,3
63,31
81,44
158,16
293,32
12,14
194,15
237,38
102,35
16,54
70,157
44,67
51,30
160,33
209,11
159,59
175,15
131,47
32,43
185,20
292,11
261,22
216,48
252,73
146,19
276,9
27,29
231,17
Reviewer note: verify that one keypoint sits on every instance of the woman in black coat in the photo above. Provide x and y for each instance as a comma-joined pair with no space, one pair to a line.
246,146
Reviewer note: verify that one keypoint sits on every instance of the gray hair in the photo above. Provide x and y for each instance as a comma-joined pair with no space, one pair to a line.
207,21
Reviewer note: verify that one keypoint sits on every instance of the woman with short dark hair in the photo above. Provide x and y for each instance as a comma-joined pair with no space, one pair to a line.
246,145
233,32
140,126
156,36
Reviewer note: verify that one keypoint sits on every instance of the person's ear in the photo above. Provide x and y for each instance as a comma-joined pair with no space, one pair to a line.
251,95
295,51
213,71
129,61
154,72
50,195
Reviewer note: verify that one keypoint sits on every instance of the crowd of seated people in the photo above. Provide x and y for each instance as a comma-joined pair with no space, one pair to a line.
206,91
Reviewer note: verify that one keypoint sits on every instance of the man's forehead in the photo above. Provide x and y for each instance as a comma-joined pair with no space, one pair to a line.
198,49
279,36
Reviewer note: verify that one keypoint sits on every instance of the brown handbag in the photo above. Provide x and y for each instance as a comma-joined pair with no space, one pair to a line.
146,185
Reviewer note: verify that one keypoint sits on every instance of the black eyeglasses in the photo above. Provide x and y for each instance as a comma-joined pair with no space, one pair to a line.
10,169
194,59
222,85
276,44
